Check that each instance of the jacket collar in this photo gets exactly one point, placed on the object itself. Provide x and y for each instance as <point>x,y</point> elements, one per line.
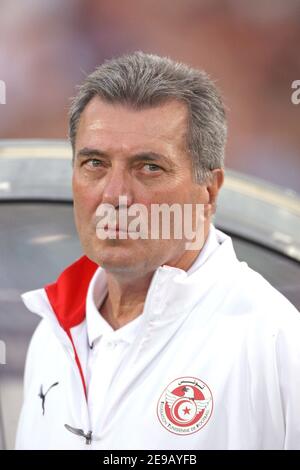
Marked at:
<point>172,290</point>
<point>67,295</point>
<point>64,300</point>
<point>97,291</point>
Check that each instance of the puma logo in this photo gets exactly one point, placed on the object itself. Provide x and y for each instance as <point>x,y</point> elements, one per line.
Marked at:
<point>43,395</point>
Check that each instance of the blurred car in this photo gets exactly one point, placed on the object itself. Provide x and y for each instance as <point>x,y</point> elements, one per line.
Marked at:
<point>38,239</point>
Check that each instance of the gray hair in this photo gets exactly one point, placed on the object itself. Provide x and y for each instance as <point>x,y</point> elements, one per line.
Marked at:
<point>144,80</point>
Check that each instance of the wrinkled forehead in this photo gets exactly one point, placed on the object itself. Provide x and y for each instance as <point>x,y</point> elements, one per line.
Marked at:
<point>117,124</point>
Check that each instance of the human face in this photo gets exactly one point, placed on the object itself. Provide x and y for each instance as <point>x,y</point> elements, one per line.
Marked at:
<point>140,154</point>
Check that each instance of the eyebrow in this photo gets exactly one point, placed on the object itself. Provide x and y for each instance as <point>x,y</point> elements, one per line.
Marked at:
<point>142,156</point>
<point>90,152</point>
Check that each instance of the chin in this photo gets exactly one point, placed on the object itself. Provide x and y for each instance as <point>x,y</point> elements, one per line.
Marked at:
<point>115,258</point>
<point>125,256</point>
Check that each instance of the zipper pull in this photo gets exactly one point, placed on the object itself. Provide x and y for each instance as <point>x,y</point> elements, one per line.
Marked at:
<point>81,433</point>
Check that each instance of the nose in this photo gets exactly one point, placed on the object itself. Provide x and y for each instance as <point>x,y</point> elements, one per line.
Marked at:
<point>118,183</point>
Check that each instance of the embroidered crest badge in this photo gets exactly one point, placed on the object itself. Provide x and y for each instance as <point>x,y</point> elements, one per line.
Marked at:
<point>185,405</point>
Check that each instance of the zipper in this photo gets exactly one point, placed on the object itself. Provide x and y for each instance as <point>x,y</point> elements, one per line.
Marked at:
<point>81,433</point>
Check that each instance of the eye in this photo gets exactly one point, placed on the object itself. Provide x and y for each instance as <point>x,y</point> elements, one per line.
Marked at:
<point>151,167</point>
<point>94,163</point>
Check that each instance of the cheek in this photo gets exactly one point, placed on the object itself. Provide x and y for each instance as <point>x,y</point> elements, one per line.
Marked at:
<point>200,195</point>
<point>86,199</point>
<point>169,196</point>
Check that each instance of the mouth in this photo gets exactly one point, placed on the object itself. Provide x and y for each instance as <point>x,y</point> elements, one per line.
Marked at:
<point>117,229</point>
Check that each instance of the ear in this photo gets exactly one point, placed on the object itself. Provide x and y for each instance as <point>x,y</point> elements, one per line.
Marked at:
<point>213,186</point>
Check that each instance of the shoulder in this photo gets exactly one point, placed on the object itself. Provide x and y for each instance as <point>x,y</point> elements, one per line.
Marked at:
<point>41,338</point>
<point>41,352</point>
<point>266,307</point>
<point>35,348</point>
<point>262,294</point>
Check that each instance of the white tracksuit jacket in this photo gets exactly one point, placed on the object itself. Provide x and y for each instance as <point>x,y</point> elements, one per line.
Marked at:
<point>216,365</point>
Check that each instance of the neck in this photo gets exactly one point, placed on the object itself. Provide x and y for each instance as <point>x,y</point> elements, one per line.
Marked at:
<point>125,300</point>
<point>126,297</point>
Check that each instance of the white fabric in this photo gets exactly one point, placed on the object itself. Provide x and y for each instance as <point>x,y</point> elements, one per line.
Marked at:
<point>222,324</point>
<point>108,346</point>
<point>210,245</point>
<point>98,326</point>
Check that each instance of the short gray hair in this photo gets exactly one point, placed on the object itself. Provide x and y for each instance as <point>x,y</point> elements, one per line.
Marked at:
<point>144,80</point>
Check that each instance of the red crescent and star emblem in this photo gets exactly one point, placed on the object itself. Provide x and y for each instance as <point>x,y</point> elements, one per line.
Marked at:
<point>185,406</point>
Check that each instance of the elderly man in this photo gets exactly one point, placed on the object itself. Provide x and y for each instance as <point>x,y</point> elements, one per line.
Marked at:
<point>155,342</point>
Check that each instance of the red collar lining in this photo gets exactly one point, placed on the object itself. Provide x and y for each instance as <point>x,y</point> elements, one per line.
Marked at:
<point>67,295</point>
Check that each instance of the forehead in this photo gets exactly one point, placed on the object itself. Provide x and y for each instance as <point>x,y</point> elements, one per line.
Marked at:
<point>118,125</point>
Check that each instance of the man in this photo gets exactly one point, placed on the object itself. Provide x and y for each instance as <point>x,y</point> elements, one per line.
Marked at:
<point>156,342</point>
